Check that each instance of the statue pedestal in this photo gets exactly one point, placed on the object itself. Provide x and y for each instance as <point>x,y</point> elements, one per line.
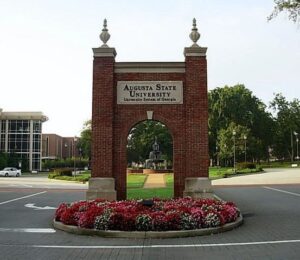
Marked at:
<point>198,187</point>
<point>101,188</point>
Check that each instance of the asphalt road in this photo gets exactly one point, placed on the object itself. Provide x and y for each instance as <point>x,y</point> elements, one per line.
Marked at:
<point>271,229</point>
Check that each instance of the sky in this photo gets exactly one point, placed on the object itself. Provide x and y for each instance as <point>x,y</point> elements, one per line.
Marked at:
<point>46,49</point>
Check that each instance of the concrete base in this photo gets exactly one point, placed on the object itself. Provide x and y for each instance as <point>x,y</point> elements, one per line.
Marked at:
<point>197,188</point>
<point>101,188</point>
<point>147,234</point>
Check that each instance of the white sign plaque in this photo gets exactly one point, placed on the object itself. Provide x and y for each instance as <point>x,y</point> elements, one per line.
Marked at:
<point>149,92</point>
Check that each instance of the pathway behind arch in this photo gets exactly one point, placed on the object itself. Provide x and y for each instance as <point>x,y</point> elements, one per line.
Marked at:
<point>155,181</point>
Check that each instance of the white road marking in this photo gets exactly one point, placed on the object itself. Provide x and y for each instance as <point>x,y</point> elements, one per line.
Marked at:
<point>164,246</point>
<point>28,230</point>
<point>21,185</point>
<point>31,205</point>
<point>283,191</point>
<point>217,197</point>
<point>28,196</point>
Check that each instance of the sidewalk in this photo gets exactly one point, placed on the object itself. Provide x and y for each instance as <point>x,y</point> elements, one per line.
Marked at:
<point>268,177</point>
<point>155,181</point>
<point>39,182</point>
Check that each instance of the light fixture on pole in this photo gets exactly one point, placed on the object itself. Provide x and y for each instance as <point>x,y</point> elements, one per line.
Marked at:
<point>245,139</point>
<point>217,154</point>
<point>67,153</point>
<point>297,141</point>
<point>234,133</point>
<point>225,151</point>
<point>80,153</point>
<point>74,155</point>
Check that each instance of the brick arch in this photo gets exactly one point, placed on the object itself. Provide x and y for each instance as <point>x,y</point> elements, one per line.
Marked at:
<point>130,124</point>
<point>135,121</point>
<point>112,121</point>
<point>120,157</point>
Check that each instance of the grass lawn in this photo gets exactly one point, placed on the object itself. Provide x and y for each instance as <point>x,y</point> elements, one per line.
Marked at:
<point>223,172</point>
<point>218,172</point>
<point>162,193</point>
<point>136,180</point>
<point>278,164</point>
<point>135,192</point>
<point>169,179</point>
<point>80,177</point>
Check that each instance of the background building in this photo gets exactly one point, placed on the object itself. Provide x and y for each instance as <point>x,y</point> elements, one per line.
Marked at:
<point>21,136</point>
<point>58,147</point>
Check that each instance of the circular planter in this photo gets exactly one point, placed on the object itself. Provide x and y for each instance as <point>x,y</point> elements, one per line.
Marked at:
<point>148,234</point>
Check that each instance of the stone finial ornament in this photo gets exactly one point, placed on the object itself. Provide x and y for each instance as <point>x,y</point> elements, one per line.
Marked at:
<point>194,35</point>
<point>104,36</point>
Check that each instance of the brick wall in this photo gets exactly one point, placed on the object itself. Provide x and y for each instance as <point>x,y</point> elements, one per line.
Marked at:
<point>187,122</point>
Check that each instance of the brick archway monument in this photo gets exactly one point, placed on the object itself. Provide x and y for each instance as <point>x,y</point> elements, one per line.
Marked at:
<point>125,93</point>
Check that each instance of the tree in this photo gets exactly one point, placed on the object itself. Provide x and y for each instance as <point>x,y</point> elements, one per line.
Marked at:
<point>227,142</point>
<point>141,138</point>
<point>238,105</point>
<point>287,119</point>
<point>13,159</point>
<point>292,7</point>
<point>3,160</point>
<point>84,142</point>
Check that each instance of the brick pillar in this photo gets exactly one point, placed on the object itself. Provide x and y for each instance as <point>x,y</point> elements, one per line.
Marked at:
<point>102,183</point>
<point>197,183</point>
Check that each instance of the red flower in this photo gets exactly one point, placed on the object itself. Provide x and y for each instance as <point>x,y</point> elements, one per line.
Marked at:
<point>88,217</point>
<point>68,218</point>
<point>175,214</point>
<point>159,221</point>
<point>61,209</point>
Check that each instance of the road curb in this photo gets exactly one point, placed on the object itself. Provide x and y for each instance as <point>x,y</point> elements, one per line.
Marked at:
<point>149,234</point>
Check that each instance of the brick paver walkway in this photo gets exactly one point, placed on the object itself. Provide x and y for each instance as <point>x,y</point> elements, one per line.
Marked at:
<point>155,181</point>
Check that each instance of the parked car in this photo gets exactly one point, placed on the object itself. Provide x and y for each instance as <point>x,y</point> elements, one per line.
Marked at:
<point>10,171</point>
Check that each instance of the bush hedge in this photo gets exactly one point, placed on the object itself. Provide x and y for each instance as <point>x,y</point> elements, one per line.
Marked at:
<point>63,171</point>
<point>53,164</point>
<point>245,165</point>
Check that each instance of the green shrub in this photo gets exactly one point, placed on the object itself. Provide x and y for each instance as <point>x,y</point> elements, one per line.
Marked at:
<point>245,165</point>
<point>3,160</point>
<point>52,175</point>
<point>63,171</point>
<point>82,177</point>
<point>53,164</point>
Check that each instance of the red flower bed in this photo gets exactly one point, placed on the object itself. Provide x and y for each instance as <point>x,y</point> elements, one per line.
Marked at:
<point>131,215</point>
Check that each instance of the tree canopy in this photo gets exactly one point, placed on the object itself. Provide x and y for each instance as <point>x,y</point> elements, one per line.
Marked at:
<point>85,139</point>
<point>141,138</point>
<point>292,7</point>
<point>237,106</point>
<point>258,133</point>
<point>287,122</point>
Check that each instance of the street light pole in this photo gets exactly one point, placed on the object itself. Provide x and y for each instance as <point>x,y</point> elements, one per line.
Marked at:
<point>234,133</point>
<point>297,141</point>
<point>217,155</point>
<point>74,155</point>
<point>225,159</point>
<point>245,138</point>
<point>66,151</point>
<point>292,147</point>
